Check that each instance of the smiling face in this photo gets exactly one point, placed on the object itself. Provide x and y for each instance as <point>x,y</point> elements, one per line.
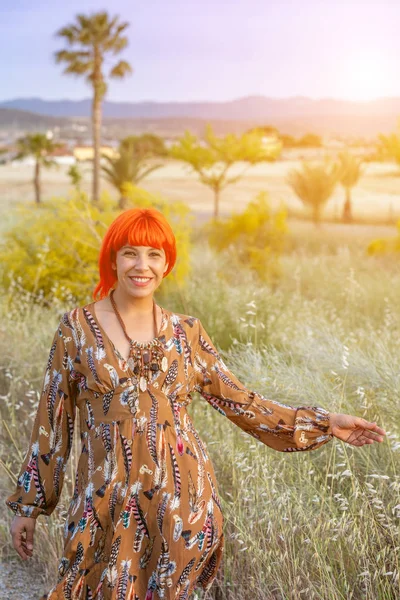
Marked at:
<point>140,269</point>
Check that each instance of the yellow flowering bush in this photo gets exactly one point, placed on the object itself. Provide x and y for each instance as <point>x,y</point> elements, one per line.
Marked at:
<point>255,238</point>
<point>382,246</point>
<point>52,250</point>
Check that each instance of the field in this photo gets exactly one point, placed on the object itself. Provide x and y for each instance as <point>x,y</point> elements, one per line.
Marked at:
<point>375,198</point>
<point>321,525</point>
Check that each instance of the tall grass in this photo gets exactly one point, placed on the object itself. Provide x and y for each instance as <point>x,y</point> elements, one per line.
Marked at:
<point>321,524</point>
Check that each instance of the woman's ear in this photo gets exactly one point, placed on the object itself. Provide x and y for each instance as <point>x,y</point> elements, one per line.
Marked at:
<point>166,267</point>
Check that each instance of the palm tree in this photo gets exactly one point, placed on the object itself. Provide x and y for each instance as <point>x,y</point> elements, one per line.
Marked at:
<point>40,147</point>
<point>314,185</point>
<point>147,145</point>
<point>390,146</point>
<point>129,167</point>
<point>75,176</point>
<point>213,158</point>
<point>350,172</point>
<point>97,35</point>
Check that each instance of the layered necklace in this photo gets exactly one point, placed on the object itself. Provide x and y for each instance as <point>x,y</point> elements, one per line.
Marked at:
<point>148,357</point>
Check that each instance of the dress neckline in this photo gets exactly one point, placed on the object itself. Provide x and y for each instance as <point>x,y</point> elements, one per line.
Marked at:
<point>142,345</point>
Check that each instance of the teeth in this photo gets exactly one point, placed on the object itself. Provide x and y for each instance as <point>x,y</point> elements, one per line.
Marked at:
<point>141,278</point>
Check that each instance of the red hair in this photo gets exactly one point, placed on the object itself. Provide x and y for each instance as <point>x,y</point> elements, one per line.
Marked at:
<point>136,227</point>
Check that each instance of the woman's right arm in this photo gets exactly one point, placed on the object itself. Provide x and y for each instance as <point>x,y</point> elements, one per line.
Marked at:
<point>41,475</point>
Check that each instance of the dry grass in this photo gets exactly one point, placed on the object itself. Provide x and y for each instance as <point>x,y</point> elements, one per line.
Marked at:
<point>323,525</point>
<point>319,525</point>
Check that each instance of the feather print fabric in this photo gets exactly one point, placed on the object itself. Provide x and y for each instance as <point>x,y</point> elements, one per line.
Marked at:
<point>144,521</point>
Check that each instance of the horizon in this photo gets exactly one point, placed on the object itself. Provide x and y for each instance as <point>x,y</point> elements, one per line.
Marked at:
<point>206,101</point>
<point>182,53</point>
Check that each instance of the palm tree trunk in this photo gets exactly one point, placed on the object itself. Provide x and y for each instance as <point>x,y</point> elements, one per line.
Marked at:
<point>317,215</point>
<point>216,203</point>
<point>96,123</point>
<point>347,212</point>
<point>36,182</point>
<point>123,202</point>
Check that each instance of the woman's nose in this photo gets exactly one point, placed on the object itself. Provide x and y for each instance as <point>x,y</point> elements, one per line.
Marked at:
<point>141,262</point>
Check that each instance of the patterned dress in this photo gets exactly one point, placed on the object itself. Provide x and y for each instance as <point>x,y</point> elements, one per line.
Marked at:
<point>145,520</point>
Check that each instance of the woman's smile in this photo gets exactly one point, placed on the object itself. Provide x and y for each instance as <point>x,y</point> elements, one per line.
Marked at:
<point>140,281</point>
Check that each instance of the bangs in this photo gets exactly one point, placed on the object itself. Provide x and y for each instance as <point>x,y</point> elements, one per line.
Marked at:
<point>142,232</point>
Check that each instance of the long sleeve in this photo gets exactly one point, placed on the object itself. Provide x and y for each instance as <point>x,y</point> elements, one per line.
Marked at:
<point>41,476</point>
<point>282,427</point>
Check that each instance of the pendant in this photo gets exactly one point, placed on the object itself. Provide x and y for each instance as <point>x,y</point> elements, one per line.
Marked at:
<point>164,364</point>
<point>143,384</point>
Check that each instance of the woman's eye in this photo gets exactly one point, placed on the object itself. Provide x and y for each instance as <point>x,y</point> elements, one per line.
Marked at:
<point>130,253</point>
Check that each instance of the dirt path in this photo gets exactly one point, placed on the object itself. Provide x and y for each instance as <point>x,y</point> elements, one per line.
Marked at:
<point>20,582</point>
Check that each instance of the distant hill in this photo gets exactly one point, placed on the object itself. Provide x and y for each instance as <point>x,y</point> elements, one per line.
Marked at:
<point>296,115</point>
<point>252,107</point>
<point>20,119</point>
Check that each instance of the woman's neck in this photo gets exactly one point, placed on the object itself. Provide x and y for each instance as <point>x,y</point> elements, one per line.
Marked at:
<point>132,306</point>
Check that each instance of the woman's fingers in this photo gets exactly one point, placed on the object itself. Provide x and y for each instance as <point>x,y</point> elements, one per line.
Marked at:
<point>363,439</point>
<point>380,430</point>
<point>377,429</point>
<point>373,436</point>
<point>27,549</point>
<point>371,426</point>
<point>22,532</point>
<point>18,545</point>
<point>365,432</point>
<point>362,436</point>
<point>29,538</point>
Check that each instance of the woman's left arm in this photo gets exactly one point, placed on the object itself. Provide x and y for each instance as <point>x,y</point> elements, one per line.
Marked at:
<point>283,427</point>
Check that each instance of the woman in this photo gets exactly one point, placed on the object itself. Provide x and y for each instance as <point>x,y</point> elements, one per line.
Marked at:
<point>145,518</point>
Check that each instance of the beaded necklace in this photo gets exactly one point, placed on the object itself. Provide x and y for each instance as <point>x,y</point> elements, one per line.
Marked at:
<point>148,357</point>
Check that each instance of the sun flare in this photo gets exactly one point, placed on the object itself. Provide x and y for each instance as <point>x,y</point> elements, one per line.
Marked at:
<point>367,77</point>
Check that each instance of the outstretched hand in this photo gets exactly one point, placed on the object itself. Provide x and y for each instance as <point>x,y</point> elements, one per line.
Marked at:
<point>355,430</point>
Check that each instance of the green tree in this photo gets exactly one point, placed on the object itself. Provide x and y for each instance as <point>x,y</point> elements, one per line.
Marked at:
<point>40,147</point>
<point>96,35</point>
<point>213,159</point>
<point>309,140</point>
<point>390,146</point>
<point>147,145</point>
<point>75,176</point>
<point>350,172</point>
<point>288,141</point>
<point>130,167</point>
<point>314,185</point>
<point>266,130</point>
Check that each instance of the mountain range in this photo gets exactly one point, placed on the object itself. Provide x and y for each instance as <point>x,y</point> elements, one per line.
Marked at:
<point>256,107</point>
<point>291,115</point>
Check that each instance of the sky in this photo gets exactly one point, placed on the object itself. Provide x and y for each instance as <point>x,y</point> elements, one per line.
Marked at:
<point>215,50</point>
